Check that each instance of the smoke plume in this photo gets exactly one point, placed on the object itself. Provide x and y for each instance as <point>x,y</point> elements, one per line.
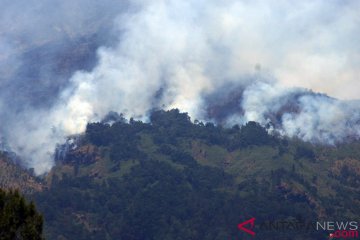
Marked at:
<point>64,64</point>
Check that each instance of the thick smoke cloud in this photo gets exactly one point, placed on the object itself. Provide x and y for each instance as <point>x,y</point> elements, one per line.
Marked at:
<point>292,112</point>
<point>42,44</point>
<point>255,57</point>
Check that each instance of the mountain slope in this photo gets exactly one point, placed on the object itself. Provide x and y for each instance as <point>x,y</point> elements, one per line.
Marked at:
<point>13,176</point>
<point>174,179</point>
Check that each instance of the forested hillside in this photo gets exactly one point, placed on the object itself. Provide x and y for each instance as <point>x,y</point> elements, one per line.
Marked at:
<point>175,179</point>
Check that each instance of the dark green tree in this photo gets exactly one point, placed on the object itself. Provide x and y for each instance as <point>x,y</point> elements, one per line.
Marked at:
<point>254,134</point>
<point>19,219</point>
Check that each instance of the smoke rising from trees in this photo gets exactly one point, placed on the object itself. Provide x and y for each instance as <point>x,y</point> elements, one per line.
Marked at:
<point>140,55</point>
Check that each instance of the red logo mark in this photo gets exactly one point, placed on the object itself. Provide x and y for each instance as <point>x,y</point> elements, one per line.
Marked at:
<point>251,222</point>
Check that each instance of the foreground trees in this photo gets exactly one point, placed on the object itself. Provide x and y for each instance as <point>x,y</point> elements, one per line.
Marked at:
<point>18,218</point>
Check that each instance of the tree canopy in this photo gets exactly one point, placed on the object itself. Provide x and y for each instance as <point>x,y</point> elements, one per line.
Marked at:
<point>19,219</point>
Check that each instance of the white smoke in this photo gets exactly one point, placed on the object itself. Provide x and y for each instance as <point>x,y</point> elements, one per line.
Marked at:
<point>311,117</point>
<point>172,53</point>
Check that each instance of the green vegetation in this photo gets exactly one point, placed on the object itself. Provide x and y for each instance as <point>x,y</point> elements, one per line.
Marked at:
<point>18,219</point>
<point>174,179</point>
